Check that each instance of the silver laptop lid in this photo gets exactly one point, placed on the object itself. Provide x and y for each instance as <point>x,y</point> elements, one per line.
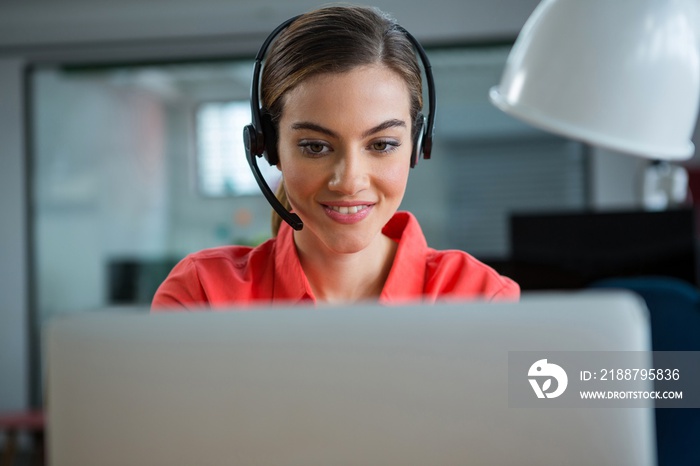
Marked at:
<point>356,385</point>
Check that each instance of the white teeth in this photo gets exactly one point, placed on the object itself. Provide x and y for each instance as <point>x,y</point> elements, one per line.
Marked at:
<point>348,210</point>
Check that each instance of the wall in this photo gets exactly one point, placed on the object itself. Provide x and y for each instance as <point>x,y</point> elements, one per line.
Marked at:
<point>14,357</point>
<point>615,180</point>
<point>72,22</point>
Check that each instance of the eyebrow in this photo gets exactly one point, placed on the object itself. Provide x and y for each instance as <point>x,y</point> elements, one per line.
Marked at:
<point>393,123</point>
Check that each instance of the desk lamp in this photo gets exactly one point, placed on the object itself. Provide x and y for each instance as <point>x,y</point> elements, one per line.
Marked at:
<point>623,75</point>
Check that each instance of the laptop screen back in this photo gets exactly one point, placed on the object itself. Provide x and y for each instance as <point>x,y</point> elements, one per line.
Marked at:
<point>358,385</point>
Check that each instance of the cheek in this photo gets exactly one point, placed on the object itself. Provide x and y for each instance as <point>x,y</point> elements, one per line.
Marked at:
<point>294,180</point>
<point>293,174</point>
<point>300,179</point>
<point>394,178</point>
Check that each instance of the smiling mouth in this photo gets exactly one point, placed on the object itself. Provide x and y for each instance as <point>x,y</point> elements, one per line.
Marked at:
<point>348,210</point>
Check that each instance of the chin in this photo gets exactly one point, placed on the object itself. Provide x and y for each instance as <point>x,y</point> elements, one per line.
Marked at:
<point>347,246</point>
<point>350,241</point>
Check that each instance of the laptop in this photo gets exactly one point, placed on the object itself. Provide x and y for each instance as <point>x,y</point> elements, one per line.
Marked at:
<point>350,385</point>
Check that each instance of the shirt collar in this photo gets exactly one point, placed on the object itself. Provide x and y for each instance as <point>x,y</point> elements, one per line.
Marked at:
<point>290,283</point>
<point>407,275</point>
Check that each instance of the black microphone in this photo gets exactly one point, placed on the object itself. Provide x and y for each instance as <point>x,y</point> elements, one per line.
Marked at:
<point>250,137</point>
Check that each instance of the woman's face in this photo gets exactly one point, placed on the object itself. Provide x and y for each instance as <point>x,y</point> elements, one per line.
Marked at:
<point>344,148</point>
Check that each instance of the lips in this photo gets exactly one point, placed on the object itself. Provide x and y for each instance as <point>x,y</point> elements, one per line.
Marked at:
<point>348,213</point>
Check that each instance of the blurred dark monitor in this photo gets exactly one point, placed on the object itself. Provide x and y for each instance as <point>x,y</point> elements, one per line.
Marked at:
<point>134,280</point>
<point>566,250</point>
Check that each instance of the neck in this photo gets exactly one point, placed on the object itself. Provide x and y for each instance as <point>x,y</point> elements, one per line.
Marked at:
<point>336,278</point>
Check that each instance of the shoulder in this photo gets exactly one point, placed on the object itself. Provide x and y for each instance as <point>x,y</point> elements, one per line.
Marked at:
<point>440,274</point>
<point>230,256</point>
<point>457,274</point>
<point>222,275</point>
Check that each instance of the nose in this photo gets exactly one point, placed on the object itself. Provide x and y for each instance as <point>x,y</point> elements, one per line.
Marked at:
<point>350,173</point>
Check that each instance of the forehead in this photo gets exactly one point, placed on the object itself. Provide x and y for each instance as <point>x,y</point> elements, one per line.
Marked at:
<point>353,92</point>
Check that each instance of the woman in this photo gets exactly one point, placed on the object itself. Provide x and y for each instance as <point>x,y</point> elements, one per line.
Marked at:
<point>343,91</point>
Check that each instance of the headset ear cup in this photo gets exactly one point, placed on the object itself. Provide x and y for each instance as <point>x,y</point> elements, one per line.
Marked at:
<point>250,140</point>
<point>418,131</point>
<point>270,137</point>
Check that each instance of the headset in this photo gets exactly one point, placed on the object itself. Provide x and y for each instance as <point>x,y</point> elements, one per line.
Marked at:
<point>260,137</point>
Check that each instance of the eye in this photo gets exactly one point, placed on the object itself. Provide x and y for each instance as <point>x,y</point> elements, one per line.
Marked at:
<point>384,146</point>
<point>314,147</point>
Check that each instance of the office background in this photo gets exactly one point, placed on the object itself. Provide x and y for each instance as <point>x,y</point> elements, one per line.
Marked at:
<point>63,196</point>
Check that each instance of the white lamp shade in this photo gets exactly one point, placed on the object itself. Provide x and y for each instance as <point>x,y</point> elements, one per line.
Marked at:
<point>619,74</point>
